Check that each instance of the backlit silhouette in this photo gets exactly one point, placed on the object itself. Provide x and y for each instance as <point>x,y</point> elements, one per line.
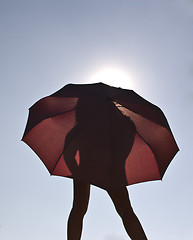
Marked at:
<point>105,136</point>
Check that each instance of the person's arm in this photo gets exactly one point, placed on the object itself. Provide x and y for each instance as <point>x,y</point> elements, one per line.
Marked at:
<point>70,151</point>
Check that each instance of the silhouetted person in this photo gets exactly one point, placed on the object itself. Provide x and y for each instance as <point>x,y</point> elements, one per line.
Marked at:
<point>96,149</point>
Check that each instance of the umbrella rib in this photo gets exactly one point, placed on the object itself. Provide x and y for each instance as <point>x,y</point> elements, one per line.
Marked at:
<point>29,128</point>
<point>57,114</point>
<point>151,150</point>
<point>56,164</point>
<point>54,115</point>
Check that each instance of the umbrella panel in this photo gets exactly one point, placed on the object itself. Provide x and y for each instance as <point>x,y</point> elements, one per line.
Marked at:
<point>48,137</point>
<point>158,138</point>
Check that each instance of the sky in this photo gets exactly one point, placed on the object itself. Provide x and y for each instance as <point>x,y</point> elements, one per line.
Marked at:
<point>46,44</point>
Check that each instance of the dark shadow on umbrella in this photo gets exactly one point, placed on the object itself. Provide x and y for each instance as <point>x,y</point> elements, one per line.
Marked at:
<point>97,147</point>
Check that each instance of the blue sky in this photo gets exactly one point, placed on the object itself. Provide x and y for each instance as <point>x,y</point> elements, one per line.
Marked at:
<point>46,44</point>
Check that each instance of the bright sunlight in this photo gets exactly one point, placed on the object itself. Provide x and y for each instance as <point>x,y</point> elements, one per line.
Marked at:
<point>113,77</point>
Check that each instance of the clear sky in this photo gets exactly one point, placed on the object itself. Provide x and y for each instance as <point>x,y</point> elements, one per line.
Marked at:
<point>45,44</point>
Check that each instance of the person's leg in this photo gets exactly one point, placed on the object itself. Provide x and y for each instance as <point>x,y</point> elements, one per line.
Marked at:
<point>123,206</point>
<point>79,208</point>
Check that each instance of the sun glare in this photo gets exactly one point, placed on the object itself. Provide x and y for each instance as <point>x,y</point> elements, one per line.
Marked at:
<point>113,77</point>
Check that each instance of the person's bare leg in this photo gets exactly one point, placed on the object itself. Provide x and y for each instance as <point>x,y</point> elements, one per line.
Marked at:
<point>79,208</point>
<point>123,206</point>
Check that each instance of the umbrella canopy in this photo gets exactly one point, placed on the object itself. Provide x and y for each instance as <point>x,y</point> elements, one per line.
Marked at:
<point>109,137</point>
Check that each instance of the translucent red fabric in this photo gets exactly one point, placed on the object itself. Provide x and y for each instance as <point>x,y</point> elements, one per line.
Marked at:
<point>109,137</point>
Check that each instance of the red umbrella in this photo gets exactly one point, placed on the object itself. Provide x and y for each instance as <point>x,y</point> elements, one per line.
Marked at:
<point>109,137</point>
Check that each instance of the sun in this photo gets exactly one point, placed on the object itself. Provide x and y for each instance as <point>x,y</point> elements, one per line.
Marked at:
<point>113,77</point>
